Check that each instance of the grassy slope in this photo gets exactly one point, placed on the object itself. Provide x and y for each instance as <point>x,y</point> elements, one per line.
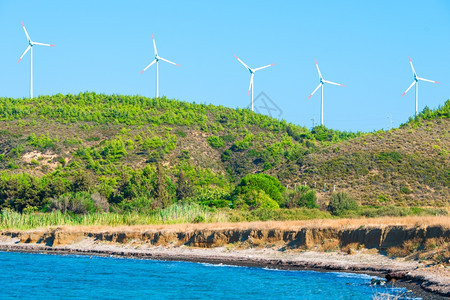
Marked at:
<point>108,136</point>
<point>406,166</point>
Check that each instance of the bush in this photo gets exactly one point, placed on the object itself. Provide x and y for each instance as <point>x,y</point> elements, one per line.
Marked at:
<point>255,199</point>
<point>341,202</point>
<point>199,219</point>
<point>302,196</point>
<point>78,203</point>
<point>243,144</point>
<point>392,156</point>
<point>216,142</point>
<point>141,205</point>
<point>43,141</point>
<point>226,155</point>
<point>213,197</point>
<point>266,183</point>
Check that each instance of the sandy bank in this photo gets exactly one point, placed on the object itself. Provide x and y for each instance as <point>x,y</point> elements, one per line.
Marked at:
<point>319,245</point>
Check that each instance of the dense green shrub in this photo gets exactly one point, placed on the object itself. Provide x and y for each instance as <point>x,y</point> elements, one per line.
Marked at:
<point>341,202</point>
<point>216,142</point>
<point>428,114</point>
<point>199,219</point>
<point>78,203</point>
<point>254,199</point>
<point>226,155</point>
<point>266,183</point>
<point>43,141</point>
<point>213,198</point>
<point>392,156</point>
<point>302,196</point>
<point>140,204</point>
<point>243,144</point>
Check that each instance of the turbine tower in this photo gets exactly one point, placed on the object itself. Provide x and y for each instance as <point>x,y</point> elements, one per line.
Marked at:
<point>321,83</point>
<point>156,60</point>
<point>30,48</point>
<point>416,82</point>
<point>252,72</point>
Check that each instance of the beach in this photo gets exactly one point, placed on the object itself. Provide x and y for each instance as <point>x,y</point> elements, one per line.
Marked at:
<point>339,245</point>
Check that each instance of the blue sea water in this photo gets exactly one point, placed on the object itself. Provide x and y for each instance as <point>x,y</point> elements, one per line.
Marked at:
<point>43,276</point>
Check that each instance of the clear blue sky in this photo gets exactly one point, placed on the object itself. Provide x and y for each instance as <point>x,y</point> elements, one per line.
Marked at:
<point>102,46</point>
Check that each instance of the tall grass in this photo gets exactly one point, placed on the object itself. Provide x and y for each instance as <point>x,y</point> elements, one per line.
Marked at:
<point>194,213</point>
<point>175,214</point>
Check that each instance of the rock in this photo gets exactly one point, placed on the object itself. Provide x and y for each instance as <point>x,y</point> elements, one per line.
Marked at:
<point>396,275</point>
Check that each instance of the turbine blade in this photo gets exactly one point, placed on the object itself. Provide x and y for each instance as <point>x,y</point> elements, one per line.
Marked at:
<point>49,45</point>
<point>423,79</point>
<point>251,83</point>
<point>318,70</point>
<point>409,88</point>
<point>148,66</point>
<point>26,33</point>
<point>412,67</point>
<point>257,69</point>
<point>330,82</point>
<point>320,84</point>
<point>242,63</point>
<point>26,50</point>
<point>170,62</point>
<point>154,45</point>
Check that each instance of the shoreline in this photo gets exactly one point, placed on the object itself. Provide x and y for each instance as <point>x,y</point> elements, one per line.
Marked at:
<point>402,274</point>
<point>345,245</point>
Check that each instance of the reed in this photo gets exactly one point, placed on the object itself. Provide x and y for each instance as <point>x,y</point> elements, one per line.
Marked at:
<point>175,214</point>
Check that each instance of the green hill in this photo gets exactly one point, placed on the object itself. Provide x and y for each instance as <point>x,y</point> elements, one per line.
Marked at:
<point>133,152</point>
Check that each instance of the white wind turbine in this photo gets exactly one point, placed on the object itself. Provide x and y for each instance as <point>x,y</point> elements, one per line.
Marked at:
<point>30,47</point>
<point>322,81</point>
<point>416,82</point>
<point>252,72</point>
<point>156,60</point>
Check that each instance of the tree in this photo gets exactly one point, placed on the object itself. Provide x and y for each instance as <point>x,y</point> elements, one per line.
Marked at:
<point>81,182</point>
<point>340,202</point>
<point>184,186</point>
<point>161,188</point>
<point>270,185</point>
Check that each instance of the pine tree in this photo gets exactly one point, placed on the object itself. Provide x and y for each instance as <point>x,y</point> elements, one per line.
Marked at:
<point>161,188</point>
<point>184,186</point>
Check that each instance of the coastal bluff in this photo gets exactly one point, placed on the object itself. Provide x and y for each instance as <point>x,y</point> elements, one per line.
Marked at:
<point>247,236</point>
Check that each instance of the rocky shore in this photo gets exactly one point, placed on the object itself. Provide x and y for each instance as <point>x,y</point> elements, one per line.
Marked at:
<point>272,245</point>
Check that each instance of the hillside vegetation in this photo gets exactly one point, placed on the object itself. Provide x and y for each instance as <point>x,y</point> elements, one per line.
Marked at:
<point>92,153</point>
<point>404,166</point>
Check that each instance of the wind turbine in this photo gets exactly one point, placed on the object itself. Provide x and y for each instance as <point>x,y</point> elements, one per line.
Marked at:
<point>30,47</point>
<point>156,60</point>
<point>252,72</point>
<point>321,83</point>
<point>416,82</point>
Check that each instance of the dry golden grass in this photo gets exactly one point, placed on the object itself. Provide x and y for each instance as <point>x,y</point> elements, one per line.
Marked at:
<point>435,250</point>
<point>330,245</point>
<point>351,248</point>
<point>434,243</point>
<point>443,221</point>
